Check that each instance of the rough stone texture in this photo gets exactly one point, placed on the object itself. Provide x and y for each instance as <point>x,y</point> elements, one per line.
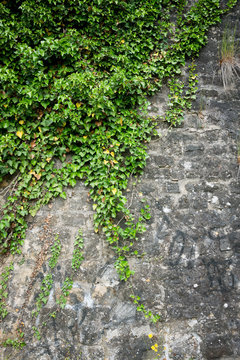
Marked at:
<point>190,272</point>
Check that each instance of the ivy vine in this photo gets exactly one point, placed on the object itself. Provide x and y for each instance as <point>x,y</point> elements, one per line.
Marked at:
<point>74,79</point>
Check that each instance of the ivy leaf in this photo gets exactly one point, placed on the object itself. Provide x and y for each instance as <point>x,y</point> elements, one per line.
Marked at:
<point>63,195</point>
<point>20,133</point>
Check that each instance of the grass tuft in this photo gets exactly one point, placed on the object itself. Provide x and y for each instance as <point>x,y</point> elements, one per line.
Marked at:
<point>229,57</point>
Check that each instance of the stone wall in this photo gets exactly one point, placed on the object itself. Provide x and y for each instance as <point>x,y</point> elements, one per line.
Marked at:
<point>189,273</point>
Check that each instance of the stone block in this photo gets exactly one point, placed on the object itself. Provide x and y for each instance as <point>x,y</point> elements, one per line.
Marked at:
<point>194,149</point>
<point>172,187</point>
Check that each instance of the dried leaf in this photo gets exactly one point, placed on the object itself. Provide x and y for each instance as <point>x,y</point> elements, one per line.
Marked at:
<point>37,176</point>
<point>33,144</point>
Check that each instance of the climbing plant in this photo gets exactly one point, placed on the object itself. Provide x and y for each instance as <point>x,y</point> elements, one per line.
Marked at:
<point>74,79</point>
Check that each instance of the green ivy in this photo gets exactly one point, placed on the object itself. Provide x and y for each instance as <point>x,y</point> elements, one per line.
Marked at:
<point>3,290</point>
<point>181,96</point>
<point>77,257</point>
<point>47,282</point>
<point>65,291</point>
<point>55,252</point>
<point>74,79</point>
<point>43,296</point>
<point>147,313</point>
<point>16,343</point>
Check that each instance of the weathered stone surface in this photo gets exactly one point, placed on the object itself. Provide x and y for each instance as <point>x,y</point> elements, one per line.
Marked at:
<point>190,272</point>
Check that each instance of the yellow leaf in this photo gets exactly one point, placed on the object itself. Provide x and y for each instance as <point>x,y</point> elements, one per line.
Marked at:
<point>112,153</point>
<point>21,122</point>
<point>78,104</point>
<point>55,138</point>
<point>106,151</point>
<point>19,133</point>
<point>114,191</point>
<point>121,121</point>
<point>48,159</point>
<point>85,137</point>
<point>94,206</point>
<point>105,162</point>
<point>5,105</point>
<point>115,161</point>
<point>40,130</point>
<point>122,41</point>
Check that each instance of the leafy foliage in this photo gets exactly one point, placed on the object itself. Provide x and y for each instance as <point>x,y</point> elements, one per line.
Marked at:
<point>65,290</point>
<point>55,251</point>
<point>147,313</point>
<point>16,343</point>
<point>45,289</point>
<point>3,290</point>
<point>74,79</point>
<point>36,333</point>
<point>180,97</point>
<point>77,252</point>
<point>47,282</point>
